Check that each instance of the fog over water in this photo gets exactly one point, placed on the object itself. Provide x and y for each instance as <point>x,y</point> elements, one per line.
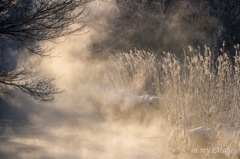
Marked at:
<point>120,104</point>
<point>83,123</point>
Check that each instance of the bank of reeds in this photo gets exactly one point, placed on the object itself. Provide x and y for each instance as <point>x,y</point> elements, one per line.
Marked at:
<point>198,90</point>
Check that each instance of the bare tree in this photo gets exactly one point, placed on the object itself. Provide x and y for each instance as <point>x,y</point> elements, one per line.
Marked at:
<point>22,77</point>
<point>23,25</point>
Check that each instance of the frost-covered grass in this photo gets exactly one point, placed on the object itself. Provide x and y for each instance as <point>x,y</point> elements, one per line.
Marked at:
<point>198,90</point>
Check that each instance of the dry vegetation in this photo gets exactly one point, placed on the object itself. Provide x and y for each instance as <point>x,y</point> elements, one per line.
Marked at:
<point>197,92</point>
<point>198,88</point>
<point>181,71</point>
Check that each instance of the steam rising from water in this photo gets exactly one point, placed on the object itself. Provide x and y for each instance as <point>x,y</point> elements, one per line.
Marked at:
<point>82,123</point>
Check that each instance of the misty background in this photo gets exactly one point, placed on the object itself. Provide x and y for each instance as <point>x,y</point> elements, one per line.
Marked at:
<point>103,76</point>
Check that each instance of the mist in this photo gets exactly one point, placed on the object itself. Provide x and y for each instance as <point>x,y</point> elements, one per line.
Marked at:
<point>83,122</point>
<point>123,94</point>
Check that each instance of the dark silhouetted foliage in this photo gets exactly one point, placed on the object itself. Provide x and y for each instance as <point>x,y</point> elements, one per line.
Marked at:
<point>173,25</point>
<point>23,25</point>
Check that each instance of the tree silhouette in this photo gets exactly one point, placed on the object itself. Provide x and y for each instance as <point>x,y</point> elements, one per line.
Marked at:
<point>23,25</point>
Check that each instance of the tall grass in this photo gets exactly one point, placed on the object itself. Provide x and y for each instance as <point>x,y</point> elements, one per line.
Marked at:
<point>198,90</point>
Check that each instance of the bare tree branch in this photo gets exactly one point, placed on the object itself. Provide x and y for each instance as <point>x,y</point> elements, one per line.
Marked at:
<point>23,25</point>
